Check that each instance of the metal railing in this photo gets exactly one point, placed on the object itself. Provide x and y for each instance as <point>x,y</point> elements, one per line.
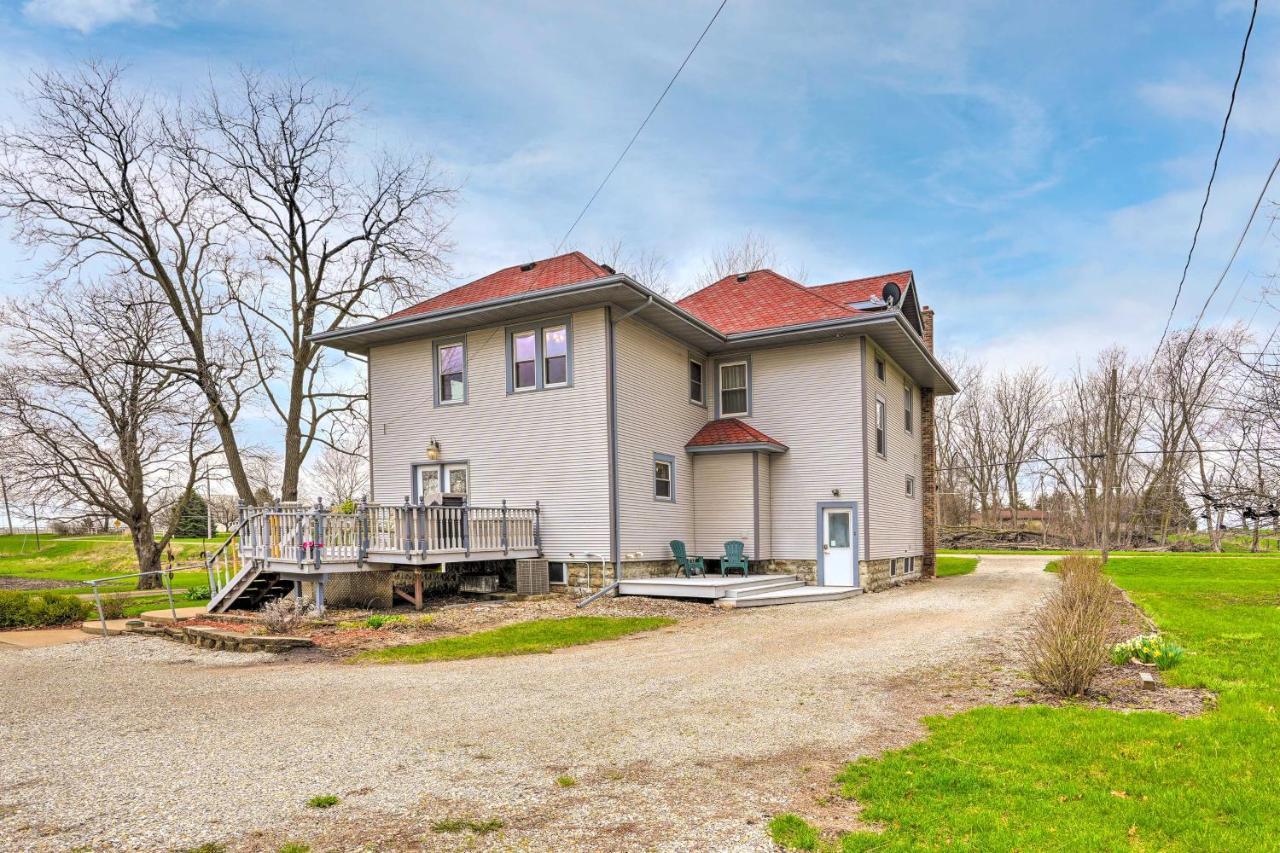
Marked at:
<point>166,576</point>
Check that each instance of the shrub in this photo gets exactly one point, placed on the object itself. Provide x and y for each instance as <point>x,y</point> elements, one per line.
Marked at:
<point>40,609</point>
<point>322,801</point>
<point>1067,644</point>
<point>284,614</point>
<point>378,620</point>
<point>566,781</point>
<point>1148,648</point>
<point>198,593</point>
<point>460,824</point>
<point>113,606</point>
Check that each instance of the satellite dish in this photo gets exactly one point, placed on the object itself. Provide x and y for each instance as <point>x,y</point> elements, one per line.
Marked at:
<point>891,293</point>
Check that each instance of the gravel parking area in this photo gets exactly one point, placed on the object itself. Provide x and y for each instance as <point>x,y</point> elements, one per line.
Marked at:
<point>689,737</point>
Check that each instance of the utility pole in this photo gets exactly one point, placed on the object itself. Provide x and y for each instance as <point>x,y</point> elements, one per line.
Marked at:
<point>4,493</point>
<point>1109,433</point>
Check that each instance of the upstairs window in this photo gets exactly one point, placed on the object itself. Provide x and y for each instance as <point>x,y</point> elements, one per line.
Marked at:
<point>911,486</point>
<point>664,477</point>
<point>696,393</point>
<point>879,368</point>
<point>733,389</point>
<point>540,356</point>
<point>908,409</point>
<point>555,356</point>
<point>451,375</point>
<point>880,436</point>
<point>524,357</point>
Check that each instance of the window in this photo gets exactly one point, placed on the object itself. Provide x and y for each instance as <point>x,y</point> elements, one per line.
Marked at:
<point>451,377</point>
<point>524,357</point>
<point>908,565</point>
<point>908,409</point>
<point>893,567</point>
<point>434,479</point>
<point>428,481</point>
<point>555,356</point>
<point>911,486</point>
<point>557,574</point>
<point>879,368</point>
<point>540,356</point>
<point>456,478</point>
<point>880,438</point>
<point>734,398</point>
<point>696,394</point>
<point>664,477</point>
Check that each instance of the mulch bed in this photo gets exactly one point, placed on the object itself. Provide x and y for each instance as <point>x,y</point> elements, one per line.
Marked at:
<point>11,582</point>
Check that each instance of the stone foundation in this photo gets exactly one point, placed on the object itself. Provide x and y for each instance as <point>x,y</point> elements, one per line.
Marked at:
<point>805,570</point>
<point>875,574</point>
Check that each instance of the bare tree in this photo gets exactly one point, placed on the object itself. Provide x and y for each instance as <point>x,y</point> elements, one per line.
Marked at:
<point>1022,404</point>
<point>341,475</point>
<point>97,428</point>
<point>751,253</point>
<point>335,239</point>
<point>649,267</point>
<point>91,179</point>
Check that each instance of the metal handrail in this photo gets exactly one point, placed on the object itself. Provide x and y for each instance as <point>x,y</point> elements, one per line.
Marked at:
<point>165,574</point>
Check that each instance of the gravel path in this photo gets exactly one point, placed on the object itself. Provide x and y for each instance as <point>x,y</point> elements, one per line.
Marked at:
<point>688,737</point>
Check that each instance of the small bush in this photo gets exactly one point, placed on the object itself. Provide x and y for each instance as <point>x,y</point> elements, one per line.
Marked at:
<point>284,615</point>
<point>323,801</point>
<point>1067,644</point>
<point>198,593</point>
<point>294,847</point>
<point>566,781</point>
<point>40,609</point>
<point>1148,648</point>
<point>113,606</point>
<point>460,824</point>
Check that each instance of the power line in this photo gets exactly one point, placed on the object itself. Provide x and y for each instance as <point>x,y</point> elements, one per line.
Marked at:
<point>1222,139</point>
<point>639,129</point>
<point>1098,456</point>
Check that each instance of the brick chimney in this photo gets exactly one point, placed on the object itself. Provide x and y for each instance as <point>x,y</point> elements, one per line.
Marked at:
<point>928,462</point>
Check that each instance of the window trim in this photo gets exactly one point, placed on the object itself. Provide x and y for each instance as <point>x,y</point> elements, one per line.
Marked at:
<point>882,369</point>
<point>415,477</point>
<point>539,329</point>
<point>435,371</point>
<point>720,365</point>
<point>880,427</point>
<point>911,486</point>
<point>909,409</point>
<point>670,462</point>
<point>702,384</point>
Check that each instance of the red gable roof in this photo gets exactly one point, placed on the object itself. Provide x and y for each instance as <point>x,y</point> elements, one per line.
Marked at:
<point>764,300</point>
<point>729,431</point>
<point>861,289</point>
<point>540,275</point>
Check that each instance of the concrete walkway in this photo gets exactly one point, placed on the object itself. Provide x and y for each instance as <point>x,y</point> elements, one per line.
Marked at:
<point>41,638</point>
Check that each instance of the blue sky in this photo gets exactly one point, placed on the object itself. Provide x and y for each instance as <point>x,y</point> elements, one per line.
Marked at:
<point>1038,165</point>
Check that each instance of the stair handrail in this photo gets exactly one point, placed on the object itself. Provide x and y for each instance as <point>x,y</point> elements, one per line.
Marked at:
<point>212,560</point>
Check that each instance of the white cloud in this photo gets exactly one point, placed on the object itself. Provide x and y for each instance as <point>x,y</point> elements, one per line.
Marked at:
<point>88,15</point>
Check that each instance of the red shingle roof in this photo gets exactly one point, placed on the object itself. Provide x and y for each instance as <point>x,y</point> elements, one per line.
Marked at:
<point>543,275</point>
<point>765,300</point>
<point>861,289</point>
<point>728,431</point>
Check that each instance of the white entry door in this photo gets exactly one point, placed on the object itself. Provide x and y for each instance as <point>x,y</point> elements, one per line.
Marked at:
<point>837,547</point>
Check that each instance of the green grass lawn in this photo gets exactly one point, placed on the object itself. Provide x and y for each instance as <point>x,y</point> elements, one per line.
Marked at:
<point>1072,778</point>
<point>146,603</point>
<point>74,558</point>
<point>949,567</point>
<point>522,638</point>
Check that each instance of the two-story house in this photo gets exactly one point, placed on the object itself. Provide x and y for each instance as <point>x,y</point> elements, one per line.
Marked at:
<point>797,420</point>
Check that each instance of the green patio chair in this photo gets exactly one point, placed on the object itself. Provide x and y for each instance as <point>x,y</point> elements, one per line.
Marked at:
<point>733,558</point>
<point>689,566</point>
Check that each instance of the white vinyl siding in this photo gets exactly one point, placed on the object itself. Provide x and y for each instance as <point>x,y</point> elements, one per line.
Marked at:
<point>550,446</point>
<point>895,528</point>
<point>654,416</point>
<point>765,546</point>
<point>809,397</point>
<point>727,508</point>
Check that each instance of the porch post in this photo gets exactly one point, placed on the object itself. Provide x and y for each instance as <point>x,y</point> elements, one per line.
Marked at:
<point>317,547</point>
<point>537,526</point>
<point>405,541</point>
<point>504,526</point>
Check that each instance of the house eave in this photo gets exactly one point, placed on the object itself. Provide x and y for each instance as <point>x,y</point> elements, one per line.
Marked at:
<point>762,446</point>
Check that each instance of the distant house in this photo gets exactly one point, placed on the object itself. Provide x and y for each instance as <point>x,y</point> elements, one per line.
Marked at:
<point>560,410</point>
<point>1004,515</point>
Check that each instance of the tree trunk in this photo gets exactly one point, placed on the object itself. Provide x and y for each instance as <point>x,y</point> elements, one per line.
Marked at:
<point>148,552</point>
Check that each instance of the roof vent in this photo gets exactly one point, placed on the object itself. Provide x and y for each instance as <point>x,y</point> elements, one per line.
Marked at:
<point>891,293</point>
<point>742,276</point>
<point>610,270</point>
<point>528,266</point>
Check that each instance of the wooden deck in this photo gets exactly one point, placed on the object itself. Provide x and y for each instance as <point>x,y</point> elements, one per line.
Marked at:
<point>737,591</point>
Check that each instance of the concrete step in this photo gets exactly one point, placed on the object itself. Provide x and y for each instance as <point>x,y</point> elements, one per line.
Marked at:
<point>791,596</point>
<point>773,586</point>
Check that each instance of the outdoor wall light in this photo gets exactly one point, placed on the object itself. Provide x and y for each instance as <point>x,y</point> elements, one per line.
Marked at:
<point>433,449</point>
<point>835,493</point>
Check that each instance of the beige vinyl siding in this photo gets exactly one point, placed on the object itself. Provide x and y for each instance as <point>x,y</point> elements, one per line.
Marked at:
<point>654,416</point>
<point>762,498</point>
<point>549,446</point>
<point>808,396</point>
<point>726,506</point>
<point>896,520</point>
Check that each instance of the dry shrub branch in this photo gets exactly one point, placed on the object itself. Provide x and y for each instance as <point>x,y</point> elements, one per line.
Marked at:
<point>1067,645</point>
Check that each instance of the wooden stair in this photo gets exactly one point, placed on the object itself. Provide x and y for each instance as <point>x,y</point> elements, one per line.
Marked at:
<point>249,589</point>
<point>787,594</point>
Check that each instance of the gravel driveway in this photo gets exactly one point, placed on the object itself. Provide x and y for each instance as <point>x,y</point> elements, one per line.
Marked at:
<point>688,737</point>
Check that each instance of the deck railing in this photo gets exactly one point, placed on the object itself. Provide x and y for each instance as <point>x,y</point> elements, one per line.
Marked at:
<point>318,534</point>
